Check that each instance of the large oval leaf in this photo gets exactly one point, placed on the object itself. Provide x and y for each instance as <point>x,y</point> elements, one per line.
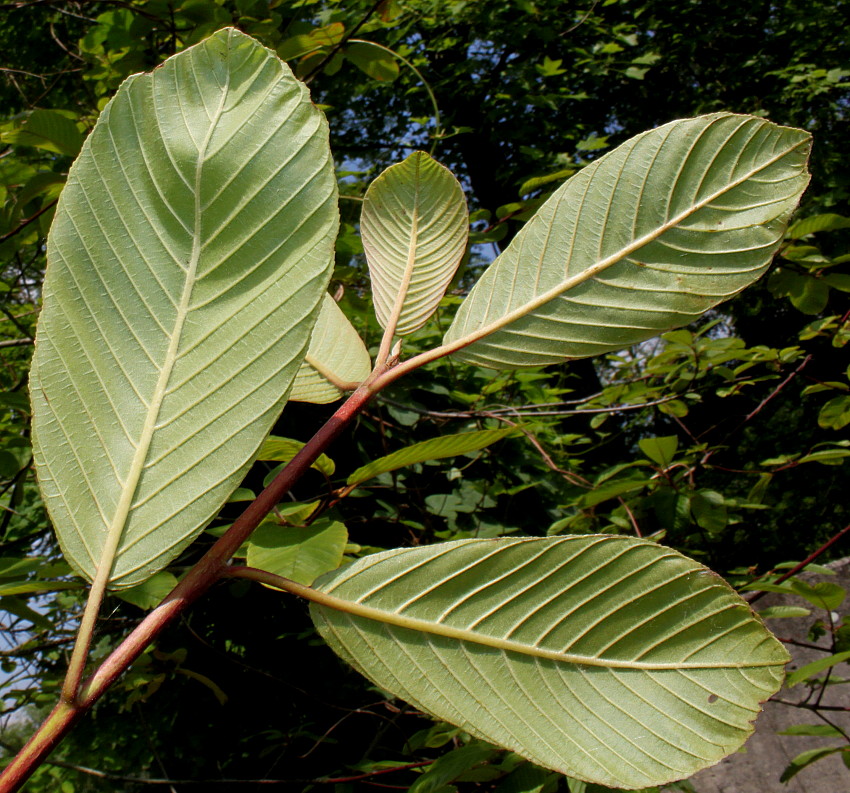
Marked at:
<point>645,239</point>
<point>610,659</point>
<point>414,226</point>
<point>189,253</point>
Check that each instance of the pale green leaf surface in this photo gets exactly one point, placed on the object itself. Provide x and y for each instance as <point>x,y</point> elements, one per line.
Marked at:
<point>433,449</point>
<point>610,659</point>
<point>300,553</point>
<point>190,250</point>
<point>336,357</point>
<point>643,240</point>
<point>414,227</point>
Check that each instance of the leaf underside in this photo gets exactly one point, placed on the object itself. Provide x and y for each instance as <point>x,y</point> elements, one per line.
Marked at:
<point>645,239</point>
<point>610,659</point>
<point>414,227</point>
<point>189,253</point>
<point>336,355</point>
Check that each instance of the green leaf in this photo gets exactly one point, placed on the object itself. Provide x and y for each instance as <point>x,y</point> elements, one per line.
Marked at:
<point>337,358</point>
<point>807,758</point>
<point>612,489</point>
<point>820,730</point>
<point>44,129</point>
<point>783,612</point>
<point>414,227</point>
<point>300,553</point>
<point>296,46</point>
<point>660,450</point>
<point>642,240</point>
<point>835,414</point>
<point>150,593</point>
<point>815,223</point>
<point>433,449</point>
<point>536,182</point>
<point>709,510</point>
<point>375,61</point>
<point>610,659</point>
<point>190,250</point>
<point>823,594</point>
<point>34,587</point>
<point>18,608</point>
<point>452,765</point>
<point>282,450</point>
<point>839,281</point>
<point>810,670</point>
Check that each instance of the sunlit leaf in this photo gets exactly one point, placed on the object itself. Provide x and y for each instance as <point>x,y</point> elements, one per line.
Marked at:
<point>190,251</point>
<point>300,553</point>
<point>642,240</point>
<point>414,227</point>
<point>610,659</point>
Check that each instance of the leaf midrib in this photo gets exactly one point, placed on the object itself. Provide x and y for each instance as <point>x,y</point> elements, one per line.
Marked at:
<point>410,264</point>
<point>137,466</point>
<point>604,264</point>
<point>395,619</point>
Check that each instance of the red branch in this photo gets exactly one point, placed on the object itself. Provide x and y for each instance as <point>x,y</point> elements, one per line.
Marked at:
<point>197,581</point>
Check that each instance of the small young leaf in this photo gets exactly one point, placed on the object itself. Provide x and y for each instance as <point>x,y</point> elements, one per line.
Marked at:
<point>660,450</point>
<point>414,227</point>
<point>835,414</point>
<point>815,223</point>
<point>375,61</point>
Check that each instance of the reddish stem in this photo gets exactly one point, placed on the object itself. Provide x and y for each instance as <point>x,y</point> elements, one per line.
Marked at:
<point>752,597</point>
<point>198,580</point>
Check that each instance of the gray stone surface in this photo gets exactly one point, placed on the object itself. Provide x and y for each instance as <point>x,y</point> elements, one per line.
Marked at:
<point>757,768</point>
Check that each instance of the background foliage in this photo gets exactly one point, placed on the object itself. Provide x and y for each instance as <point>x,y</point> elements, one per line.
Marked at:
<point>726,440</point>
